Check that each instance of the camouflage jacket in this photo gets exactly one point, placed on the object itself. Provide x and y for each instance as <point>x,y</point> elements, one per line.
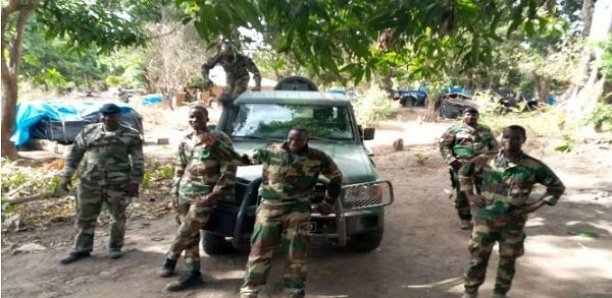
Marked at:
<point>508,184</point>
<point>111,158</point>
<point>463,142</point>
<point>198,169</point>
<point>238,68</point>
<point>288,178</point>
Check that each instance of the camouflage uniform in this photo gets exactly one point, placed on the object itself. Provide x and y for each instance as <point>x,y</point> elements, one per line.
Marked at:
<point>112,161</point>
<point>283,216</point>
<point>506,185</point>
<point>198,170</point>
<point>237,72</point>
<point>462,142</point>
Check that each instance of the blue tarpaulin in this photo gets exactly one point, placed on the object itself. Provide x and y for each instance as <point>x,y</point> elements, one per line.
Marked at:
<point>151,99</point>
<point>31,112</point>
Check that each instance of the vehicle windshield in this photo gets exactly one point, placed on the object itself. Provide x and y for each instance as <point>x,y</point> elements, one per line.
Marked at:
<point>275,120</point>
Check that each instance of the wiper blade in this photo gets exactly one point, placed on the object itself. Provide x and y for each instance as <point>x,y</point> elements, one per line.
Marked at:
<point>324,139</point>
<point>257,138</point>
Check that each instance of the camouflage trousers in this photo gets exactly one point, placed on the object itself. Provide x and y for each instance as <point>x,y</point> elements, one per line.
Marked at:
<point>462,204</point>
<point>236,85</point>
<point>276,225</point>
<point>89,201</point>
<point>506,230</point>
<point>192,216</point>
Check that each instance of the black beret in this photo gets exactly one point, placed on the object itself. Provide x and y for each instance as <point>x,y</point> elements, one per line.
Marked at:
<point>110,108</point>
<point>472,110</point>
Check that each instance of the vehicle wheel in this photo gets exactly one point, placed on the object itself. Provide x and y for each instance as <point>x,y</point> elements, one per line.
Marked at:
<point>214,244</point>
<point>366,241</point>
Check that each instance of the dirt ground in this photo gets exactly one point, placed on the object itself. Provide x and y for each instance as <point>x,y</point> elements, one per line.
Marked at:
<point>423,254</point>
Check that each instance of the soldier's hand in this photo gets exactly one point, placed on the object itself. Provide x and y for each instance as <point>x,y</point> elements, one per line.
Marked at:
<point>325,208</point>
<point>132,190</point>
<point>246,159</point>
<point>527,208</point>
<point>65,184</point>
<point>215,194</point>
<point>480,161</point>
<point>207,139</point>
<point>456,165</point>
<point>477,200</point>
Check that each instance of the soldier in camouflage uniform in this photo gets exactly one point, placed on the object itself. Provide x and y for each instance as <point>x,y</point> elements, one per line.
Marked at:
<point>237,67</point>
<point>461,143</point>
<point>205,166</point>
<point>290,171</point>
<point>111,174</point>
<point>501,210</point>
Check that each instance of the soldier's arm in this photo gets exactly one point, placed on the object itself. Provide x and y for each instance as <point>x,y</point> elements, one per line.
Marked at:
<point>226,153</point>
<point>492,145</point>
<point>446,143</point>
<point>251,67</point>
<point>466,177</point>
<point>554,186</point>
<point>330,170</point>
<point>180,163</point>
<point>209,64</point>
<point>74,156</point>
<point>137,157</point>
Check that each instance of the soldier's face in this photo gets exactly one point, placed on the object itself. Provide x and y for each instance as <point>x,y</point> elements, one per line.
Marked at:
<point>512,140</point>
<point>198,119</point>
<point>296,140</point>
<point>470,118</point>
<point>110,121</point>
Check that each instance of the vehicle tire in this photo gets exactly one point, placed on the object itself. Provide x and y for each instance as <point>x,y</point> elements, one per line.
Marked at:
<point>366,241</point>
<point>214,244</point>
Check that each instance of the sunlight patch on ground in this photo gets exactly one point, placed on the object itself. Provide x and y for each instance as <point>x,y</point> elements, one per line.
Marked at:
<point>568,258</point>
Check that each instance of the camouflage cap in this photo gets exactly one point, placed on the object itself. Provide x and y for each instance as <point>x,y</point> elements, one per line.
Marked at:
<point>110,108</point>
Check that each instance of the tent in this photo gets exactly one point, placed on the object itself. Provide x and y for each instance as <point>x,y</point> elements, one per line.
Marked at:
<point>62,121</point>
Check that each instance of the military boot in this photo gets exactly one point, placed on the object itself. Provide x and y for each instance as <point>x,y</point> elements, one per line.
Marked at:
<point>469,295</point>
<point>167,268</point>
<point>466,224</point>
<point>74,256</point>
<point>115,253</point>
<point>498,295</point>
<point>296,293</point>
<point>189,279</point>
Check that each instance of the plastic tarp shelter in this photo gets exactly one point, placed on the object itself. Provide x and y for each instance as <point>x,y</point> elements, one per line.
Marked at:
<point>69,117</point>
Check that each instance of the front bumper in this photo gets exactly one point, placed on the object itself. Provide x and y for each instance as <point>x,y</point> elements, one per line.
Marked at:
<point>359,208</point>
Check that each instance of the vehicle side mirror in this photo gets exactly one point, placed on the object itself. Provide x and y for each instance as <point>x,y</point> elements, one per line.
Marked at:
<point>211,127</point>
<point>368,134</point>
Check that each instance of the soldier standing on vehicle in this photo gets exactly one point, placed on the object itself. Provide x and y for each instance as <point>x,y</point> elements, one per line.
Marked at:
<point>290,171</point>
<point>237,67</point>
<point>205,167</point>
<point>111,174</point>
<point>461,143</point>
<point>502,209</point>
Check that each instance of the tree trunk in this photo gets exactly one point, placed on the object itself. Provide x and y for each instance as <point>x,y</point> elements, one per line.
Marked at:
<point>588,84</point>
<point>9,102</point>
<point>10,70</point>
<point>542,87</point>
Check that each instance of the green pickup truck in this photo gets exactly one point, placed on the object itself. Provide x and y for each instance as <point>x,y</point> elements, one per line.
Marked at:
<point>258,118</point>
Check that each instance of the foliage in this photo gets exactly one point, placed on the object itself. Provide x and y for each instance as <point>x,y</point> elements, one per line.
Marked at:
<point>155,172</point>
<point>568,146</point>
<point>601,116</point>
<point>19,181</point>
<point>372,108</point>
<point>425,37</point>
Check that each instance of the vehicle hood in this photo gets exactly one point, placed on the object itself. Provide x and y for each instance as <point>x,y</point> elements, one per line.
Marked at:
<point>352,159</point>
